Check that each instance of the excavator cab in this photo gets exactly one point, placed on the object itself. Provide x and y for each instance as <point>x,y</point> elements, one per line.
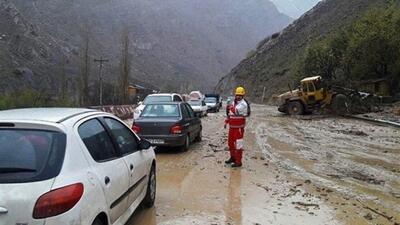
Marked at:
<point>313,90</point>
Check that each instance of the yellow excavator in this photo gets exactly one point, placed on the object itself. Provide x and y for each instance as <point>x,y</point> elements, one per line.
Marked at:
<point>313,94</point>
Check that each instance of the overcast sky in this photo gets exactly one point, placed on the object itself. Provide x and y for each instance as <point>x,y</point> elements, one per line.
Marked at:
<point>295,8</point>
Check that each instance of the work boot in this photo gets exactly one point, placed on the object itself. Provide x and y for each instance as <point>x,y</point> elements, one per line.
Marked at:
<point>229,161</point>
<point>236,165</point>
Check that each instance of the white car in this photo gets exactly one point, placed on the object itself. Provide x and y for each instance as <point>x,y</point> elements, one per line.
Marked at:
<point>199,107</point>
<point>173,97</point>
<point>62,166</point>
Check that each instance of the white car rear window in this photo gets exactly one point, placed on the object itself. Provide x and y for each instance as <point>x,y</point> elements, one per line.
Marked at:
<point>30,155</point>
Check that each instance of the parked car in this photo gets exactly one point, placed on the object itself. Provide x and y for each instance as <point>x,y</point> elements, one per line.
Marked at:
<point>199,107</point>
<point>172,124</point>
<point>172,97</point>
<point>72,166</point>
<point>212,104</point>
<point>217,96</point>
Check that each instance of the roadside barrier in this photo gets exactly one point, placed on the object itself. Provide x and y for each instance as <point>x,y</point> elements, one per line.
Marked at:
<point>383,122</point>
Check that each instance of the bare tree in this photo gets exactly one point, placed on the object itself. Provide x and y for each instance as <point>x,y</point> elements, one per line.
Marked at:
<point>125,68</point>
<point>64,81</point>
<point>85,71</point>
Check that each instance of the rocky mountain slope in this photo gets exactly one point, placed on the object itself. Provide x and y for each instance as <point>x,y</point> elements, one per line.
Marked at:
<point>172,43</point>
<point>273,64</point>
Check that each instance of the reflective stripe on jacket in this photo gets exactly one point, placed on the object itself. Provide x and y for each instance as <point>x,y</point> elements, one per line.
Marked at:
<point>237,114</point>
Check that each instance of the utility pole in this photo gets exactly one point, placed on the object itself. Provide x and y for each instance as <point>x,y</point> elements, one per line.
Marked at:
<point>263,96</point>
<point>101,61</point>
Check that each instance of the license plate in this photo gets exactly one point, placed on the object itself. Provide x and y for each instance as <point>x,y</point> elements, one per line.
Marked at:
<point>156,141</point>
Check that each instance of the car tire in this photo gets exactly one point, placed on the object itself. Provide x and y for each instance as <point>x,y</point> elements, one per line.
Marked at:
<point>186,146</point>
<point>150,197</point>
<point>199,137</point>
<point>97,221</point>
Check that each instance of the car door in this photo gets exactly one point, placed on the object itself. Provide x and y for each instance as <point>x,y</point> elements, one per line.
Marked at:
<point>186,120</point>
<point>136,160</point>
<point>192,119</point>
<point>196,121</point>
<point>109,169</point>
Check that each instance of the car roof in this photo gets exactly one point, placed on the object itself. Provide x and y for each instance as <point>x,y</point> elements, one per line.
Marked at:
<point>165,103</point>
<point>163,94</point>
<point>55,115</point>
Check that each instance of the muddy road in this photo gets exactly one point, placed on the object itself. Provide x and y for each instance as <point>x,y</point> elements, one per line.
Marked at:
<point>307,170</point>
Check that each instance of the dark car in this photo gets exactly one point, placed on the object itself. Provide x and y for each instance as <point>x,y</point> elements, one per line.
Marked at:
<point>171,124</point>
<point>217,96</point>
<point>212,104</point>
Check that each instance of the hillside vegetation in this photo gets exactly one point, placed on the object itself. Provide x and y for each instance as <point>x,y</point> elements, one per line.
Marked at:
<point>276,61</point>
<point>367,49</point>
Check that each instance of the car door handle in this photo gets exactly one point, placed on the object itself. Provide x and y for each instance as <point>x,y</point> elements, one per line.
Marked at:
<point>107,180</point>
<point>131,167</point>
<point>3,210</point>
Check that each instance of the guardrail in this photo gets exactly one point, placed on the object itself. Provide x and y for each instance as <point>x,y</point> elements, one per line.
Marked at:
<point>122,111</point>
<point>380,121</point>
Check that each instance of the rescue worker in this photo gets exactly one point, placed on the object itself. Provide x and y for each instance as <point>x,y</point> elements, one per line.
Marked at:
<point>237,113</point>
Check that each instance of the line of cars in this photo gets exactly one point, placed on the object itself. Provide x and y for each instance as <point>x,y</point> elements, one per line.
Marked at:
<point>204,104</point>
<point>169,120</point>
<point>201,104</point>
<point>82,166</point>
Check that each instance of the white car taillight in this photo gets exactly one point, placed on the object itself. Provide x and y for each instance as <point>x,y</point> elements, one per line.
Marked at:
<point>58,201</point>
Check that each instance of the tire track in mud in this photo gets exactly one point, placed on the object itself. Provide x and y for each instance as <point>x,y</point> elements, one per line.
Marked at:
<point>360,161</point>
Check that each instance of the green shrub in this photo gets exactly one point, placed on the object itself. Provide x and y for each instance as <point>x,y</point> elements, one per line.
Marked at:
<point>369,48</point>
<point>32,98</point>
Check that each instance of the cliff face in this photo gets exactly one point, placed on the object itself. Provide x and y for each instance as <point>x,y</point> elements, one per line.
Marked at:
<point>26,53</point>
<point>173,43</point>
<point>273,63</point>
